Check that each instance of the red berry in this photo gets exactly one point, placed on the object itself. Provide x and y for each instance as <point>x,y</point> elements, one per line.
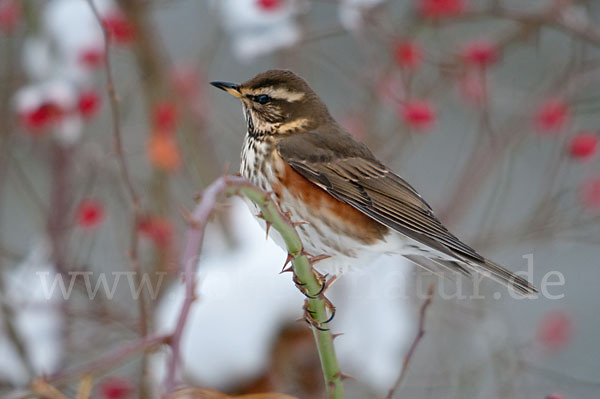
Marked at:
<point>589,193</point>
<point>552,115</point>
<point>269,5</point>
<point>116,388</point>
<point>10,13</point>
<point>42,117</point>
<point>555,330</point>
<point>90,213</point>
<point>583,146</point>
<point>440,8</point>
<point>164,117</point>
<point>481,52</point>
<point>119,28</point>
<point>157,229</point>
<point>408,55</point>
<point>88,103</point>
<point>91,57</point>
<point>418,115</point>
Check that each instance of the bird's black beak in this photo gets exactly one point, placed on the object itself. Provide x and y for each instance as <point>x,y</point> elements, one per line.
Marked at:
<point>230,88</point>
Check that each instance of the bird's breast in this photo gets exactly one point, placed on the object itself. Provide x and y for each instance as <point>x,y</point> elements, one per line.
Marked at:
<point>332,227</point>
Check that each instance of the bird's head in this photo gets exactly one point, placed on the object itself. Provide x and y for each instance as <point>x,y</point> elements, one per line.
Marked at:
<point>278,102</point>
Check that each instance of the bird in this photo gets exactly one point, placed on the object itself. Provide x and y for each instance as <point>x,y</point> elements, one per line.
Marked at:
<point>354,208</point>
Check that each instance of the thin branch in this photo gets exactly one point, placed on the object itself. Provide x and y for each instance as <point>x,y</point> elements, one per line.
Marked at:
<point>110,359</point>
<point>114,109</point>
<point>124,170</point>
<point>415,343</point>
<point>552,17</point>
<point>195,238</point>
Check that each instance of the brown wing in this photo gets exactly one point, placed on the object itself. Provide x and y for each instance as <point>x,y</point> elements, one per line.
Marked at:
<point>349,172</point>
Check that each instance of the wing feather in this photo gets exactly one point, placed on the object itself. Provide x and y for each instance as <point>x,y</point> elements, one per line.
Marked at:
<point>376,191</point>
<point>349,172</point>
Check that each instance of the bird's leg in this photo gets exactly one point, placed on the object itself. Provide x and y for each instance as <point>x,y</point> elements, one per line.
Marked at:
<point>322,279</point>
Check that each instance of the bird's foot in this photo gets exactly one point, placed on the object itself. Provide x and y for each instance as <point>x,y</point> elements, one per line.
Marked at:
<point>302,286</point>
<point>309,315</point>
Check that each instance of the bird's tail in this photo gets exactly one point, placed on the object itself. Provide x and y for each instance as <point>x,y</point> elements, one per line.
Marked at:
<point>503,276</point>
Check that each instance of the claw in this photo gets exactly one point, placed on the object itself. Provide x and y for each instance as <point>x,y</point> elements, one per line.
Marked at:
<point>302,288</point>
<point>331,308</point>
<point>299,284</point>
<point>321,290</point>
<point>310,319</point>
<point>316,324</point>
<point>330,317</point>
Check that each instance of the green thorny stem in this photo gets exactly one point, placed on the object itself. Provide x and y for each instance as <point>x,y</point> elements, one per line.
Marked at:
<point>304,274</point>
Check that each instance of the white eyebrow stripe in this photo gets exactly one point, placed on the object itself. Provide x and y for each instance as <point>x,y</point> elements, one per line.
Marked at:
<point>278,93</point>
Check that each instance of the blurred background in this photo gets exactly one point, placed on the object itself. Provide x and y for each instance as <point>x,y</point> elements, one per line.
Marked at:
<point>488,107</point>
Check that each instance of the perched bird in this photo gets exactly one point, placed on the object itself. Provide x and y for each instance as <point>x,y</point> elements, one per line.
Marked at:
<point>355,207</point>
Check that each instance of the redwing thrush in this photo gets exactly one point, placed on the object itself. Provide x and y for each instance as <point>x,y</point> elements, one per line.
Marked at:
<point>355,207</point>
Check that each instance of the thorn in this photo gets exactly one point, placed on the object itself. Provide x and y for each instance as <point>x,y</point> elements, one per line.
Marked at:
<point>259,215</point>
<point>295,224</point>
<point>188,218</point>
<point>330,282</point>
<point>311,313</point>
<point>198,197</point>
<point>344,376</point>
<point>318,258</point>
<point>289,258</point>
<point>268,228</point>
<point>334,336</point>
<point>284,270</point>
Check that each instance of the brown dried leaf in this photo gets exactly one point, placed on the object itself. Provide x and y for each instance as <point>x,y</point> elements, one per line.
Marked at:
<point>85,387</point>
<point>45,390</point>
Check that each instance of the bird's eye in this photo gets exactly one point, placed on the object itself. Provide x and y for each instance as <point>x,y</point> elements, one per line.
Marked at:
<point>262,99</point>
